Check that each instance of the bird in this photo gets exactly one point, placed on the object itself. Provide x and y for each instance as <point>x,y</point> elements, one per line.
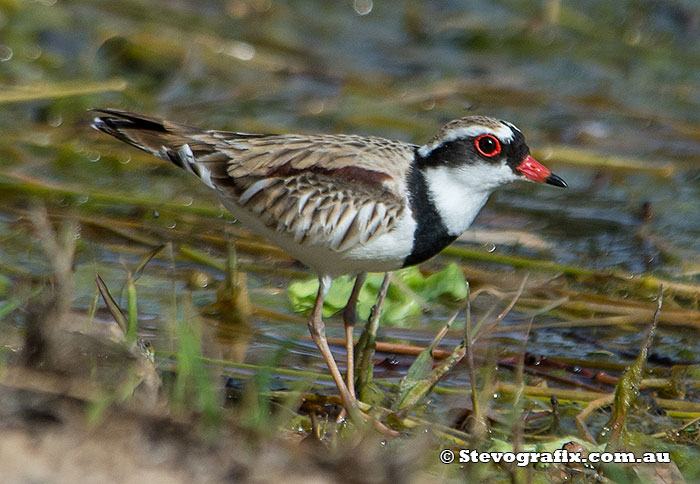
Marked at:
<point>345,203</point>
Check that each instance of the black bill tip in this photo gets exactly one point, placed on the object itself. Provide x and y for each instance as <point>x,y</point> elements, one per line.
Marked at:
<point>555,180</point>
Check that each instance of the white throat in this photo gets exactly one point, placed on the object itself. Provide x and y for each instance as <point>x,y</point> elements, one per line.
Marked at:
<point>459,192</point>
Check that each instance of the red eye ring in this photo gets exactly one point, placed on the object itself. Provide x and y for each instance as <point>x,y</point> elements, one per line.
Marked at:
<point>487,145</point>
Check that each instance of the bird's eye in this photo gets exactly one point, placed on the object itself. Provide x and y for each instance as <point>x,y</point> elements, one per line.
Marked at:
<point>487,145</point>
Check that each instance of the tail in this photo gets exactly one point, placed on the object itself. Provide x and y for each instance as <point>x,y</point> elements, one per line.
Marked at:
<point>178,143</point>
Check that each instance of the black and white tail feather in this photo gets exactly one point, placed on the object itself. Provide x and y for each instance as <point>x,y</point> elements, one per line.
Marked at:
<point>170,141</point>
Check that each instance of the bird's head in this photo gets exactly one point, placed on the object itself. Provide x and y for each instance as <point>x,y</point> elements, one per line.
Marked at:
<point>483,153</point>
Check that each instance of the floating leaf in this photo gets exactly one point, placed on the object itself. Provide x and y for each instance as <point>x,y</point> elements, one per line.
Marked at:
<point>399,303</point>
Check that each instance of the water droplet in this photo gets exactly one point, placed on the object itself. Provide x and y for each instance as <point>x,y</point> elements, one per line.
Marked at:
<point>546,153</point>
<point>43,139</point>
<point>172,225</point>
<point>55,120</point>
<point>199,280</point>
<point>5,53</point>
<point>93,156</point>
<point>124,159</point>
<point>492,248</point>
<point>241,50</point>
<point>316,106</point>
<point>363,7</point>
<point>156,214</point>
<point>188,202</point>
<point>32,52</point>
<point>632,37</point>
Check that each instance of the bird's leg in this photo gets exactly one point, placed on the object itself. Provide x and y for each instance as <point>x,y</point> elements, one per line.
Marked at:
<point>317,328</point>
<point>318,334</point>
<point>349,320</point>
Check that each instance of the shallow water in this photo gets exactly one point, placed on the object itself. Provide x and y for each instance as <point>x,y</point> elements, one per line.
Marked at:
<point>609,80</point>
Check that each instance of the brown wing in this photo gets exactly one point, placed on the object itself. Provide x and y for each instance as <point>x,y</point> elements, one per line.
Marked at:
<point>318,209</point>
<point>336,191</point>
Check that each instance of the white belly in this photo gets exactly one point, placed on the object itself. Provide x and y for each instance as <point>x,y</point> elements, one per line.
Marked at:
<point>383,253</point>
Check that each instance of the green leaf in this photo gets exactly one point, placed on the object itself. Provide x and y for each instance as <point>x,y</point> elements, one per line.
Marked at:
<point>399,304</point>
<point>417,373</point>
<point>302,295</point>
<point>146,260</point>
<point>371,394</point>
<point>133,322</point>
<point>448,282</point>
<point>111,304</point>
<point>627,387</point>
<point>421,377</point>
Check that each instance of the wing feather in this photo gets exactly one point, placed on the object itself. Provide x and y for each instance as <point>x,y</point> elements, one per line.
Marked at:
<point>304,208</point>
<point>335,191</point>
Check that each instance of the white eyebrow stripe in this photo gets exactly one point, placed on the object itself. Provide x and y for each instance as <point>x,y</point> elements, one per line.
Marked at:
<point>511,126</point>
<point>503,132</point>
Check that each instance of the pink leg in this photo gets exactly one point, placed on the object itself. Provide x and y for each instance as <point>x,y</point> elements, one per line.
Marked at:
<point>317,328</point>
